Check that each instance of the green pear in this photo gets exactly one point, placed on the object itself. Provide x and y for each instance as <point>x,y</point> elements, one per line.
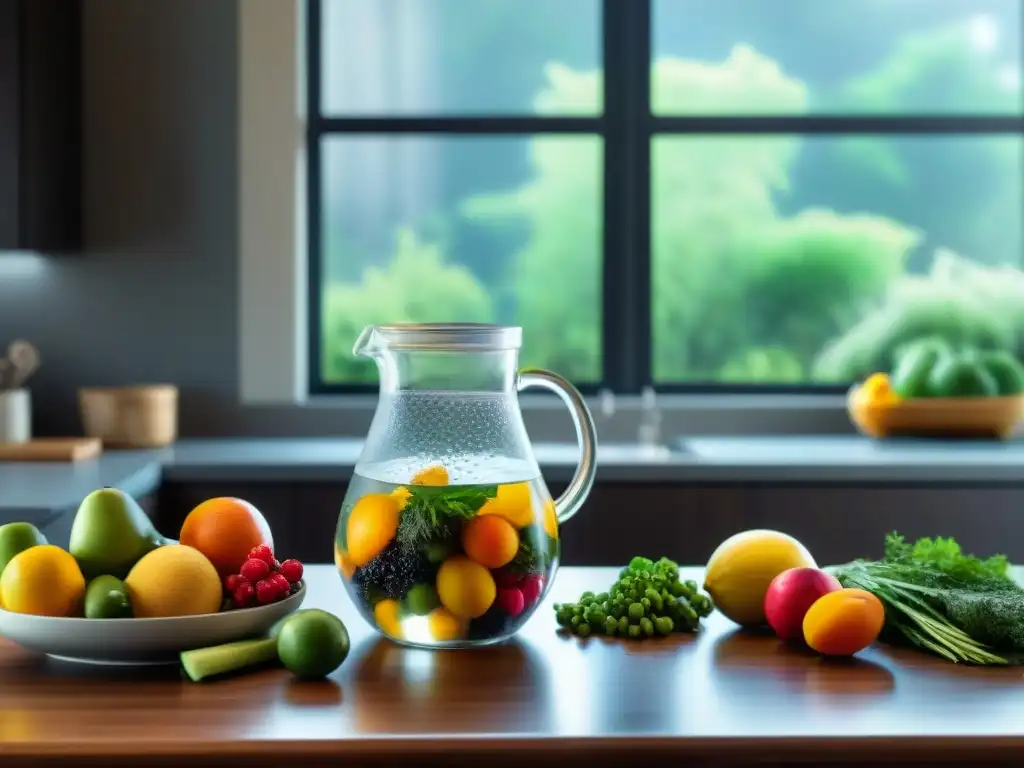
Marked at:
<point>15,538</point>
<point>111,533</point>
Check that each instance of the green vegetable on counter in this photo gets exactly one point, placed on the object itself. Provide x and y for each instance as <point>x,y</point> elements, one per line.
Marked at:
<point>930,367</point>
<point>647,599</point>
<point>309,643</point>
<point>940,600</point>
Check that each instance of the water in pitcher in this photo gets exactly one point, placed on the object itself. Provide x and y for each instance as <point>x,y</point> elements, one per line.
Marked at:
<point>453,555</point>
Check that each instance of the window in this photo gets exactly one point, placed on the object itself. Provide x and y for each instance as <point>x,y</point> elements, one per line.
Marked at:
<point>723,195</point>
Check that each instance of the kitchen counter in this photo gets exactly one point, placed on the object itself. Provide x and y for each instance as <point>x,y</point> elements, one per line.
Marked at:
<point>545,699</point>
<point>38,491</point>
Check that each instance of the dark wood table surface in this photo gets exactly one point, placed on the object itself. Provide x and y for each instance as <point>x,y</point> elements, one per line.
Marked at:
<point>718,698</point>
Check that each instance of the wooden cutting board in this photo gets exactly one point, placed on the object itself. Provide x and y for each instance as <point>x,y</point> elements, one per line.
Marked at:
<point>52,449</point>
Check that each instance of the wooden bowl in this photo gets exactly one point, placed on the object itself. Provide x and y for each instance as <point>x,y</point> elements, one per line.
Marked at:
<point>130,417</point>
<point>955,418</point>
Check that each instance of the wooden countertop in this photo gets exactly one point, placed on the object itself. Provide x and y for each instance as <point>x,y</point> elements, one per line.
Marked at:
<point>721,697</point>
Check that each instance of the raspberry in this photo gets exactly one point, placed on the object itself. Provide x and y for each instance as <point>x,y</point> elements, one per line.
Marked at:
<point>253,570</point>
<point>267,591</point>
<point>292,570</point>
<point>244,595</point>
<point>262,552</point>
<point>282,583</point>
<point>532,587</point>
<point>233,582</point>
<point>510,600</point>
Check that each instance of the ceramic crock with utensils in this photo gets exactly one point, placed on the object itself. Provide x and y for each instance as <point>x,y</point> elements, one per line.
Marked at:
<point>16,369</point>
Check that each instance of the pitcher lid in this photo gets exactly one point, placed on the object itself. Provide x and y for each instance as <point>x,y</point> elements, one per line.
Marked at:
<point>478,337</point>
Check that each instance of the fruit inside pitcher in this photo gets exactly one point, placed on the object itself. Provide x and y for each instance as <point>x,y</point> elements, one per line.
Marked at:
<point>438,562</point>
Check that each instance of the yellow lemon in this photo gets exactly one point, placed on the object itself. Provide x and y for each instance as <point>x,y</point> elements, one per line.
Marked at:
<point>372,524</point>
<point>437,475</point>
<point>44,581</point>
<point>388,615</point>
<point>740,570</point>
<point>175,580</point>
<point>445,625</point>
<point>513,502</point>
<point>344,563</point>
<point>550,519</point>
<point>466,588</point>
<point>878,389</point>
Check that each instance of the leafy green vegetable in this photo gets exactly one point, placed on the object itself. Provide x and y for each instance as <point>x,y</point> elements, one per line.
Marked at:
<point>937,598</point>
<point>436,513</point>
<point>944,555</point>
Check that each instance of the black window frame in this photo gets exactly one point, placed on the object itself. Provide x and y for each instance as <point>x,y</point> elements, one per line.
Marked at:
<point>627,127</point>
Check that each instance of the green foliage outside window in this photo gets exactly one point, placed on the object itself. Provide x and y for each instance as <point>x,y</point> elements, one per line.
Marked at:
<point>744,289</point>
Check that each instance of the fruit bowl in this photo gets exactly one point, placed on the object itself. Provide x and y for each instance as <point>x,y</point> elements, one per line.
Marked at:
<point>140,641</point>
<point>962,417</point>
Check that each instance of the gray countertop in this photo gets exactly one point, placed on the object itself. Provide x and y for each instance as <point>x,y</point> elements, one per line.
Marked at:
<point>39,491</point>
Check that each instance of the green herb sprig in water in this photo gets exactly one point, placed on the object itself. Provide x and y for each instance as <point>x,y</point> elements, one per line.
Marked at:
<point>963,608</point>
<point>435,513</point>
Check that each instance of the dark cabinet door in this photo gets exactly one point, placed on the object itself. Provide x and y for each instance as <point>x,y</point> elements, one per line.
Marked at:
<point>40,125</point>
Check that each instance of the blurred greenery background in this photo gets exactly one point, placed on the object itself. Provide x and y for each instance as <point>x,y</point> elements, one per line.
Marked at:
<point>775,259</point>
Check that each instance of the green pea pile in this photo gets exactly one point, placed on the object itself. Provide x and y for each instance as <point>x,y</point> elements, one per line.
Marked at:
<point>648,599</point>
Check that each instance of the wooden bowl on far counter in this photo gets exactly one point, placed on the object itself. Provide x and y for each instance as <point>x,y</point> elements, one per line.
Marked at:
<point>953,418</point>
<point>130,417</point>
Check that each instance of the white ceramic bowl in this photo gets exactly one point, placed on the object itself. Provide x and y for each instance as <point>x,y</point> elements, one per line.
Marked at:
<point>140,641</point>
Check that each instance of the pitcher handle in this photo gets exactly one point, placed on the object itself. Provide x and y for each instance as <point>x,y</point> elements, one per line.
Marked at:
<point>569,503</point>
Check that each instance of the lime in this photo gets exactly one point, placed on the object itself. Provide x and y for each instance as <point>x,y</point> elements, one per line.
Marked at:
<point>17,537</point>
<point>312,643</point>
<point>421,599</point>
<point>106,598</point>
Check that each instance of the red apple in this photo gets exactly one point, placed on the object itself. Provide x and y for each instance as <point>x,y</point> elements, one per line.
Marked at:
<point>790,596</point>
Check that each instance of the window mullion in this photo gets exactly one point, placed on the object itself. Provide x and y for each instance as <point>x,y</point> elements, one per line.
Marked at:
<point>626,323</point>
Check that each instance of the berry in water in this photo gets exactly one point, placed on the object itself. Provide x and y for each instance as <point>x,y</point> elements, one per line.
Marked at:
<point>244,595</point>
<point>267,591</point>
<point>292,570</point>
<point>232,582</point>
<point>262,552</point>
<point>254,569</point>
<point>393,572</point>
<point>510,600</point>
<point>532,586</point>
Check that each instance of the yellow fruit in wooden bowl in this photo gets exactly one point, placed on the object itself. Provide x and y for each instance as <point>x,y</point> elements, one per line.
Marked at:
<point>175,580</point>
<point>741,569</point>
<point>44,581</point>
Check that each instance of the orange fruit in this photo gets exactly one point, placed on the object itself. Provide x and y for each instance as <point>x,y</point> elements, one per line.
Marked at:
<point>843,622</point>
<point>490,540</point>
<point>550,519</point>
<point>175,580</point>
<point>512,502</point>
<point>43,580</point>
<point>436,475</point>
<point>225,530</point>
<point>371,526</point>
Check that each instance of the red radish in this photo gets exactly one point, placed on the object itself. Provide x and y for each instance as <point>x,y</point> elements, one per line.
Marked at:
<point>790,596</point>
<point>532,586</point>
<point>510,601</point>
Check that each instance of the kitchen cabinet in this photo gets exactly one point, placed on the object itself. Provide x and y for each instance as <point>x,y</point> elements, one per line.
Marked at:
<point>40,125</point>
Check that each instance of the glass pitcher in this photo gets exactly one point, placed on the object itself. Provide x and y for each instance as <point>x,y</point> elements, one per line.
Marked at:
<point>448,536</point>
